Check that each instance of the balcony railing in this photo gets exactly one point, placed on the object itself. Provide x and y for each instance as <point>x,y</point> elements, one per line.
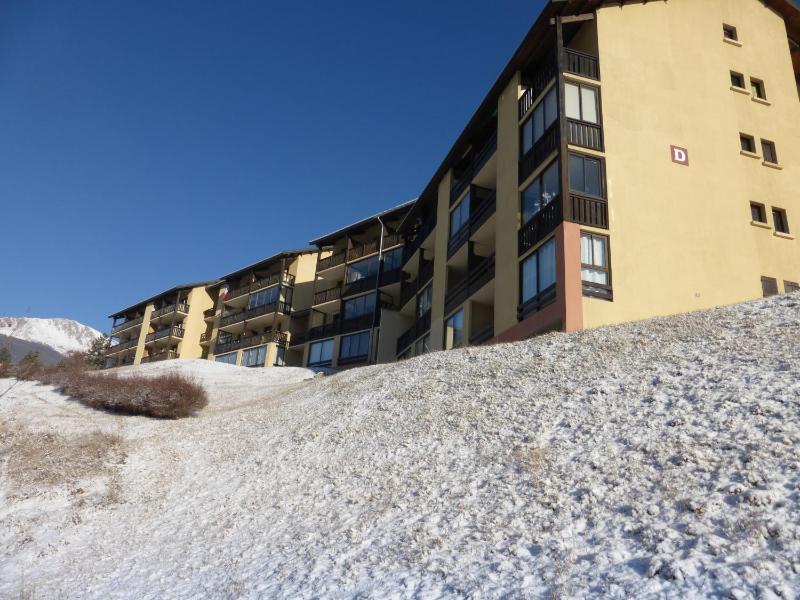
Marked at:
<point>126,325</point>
<point>391,277</point>
<point>256,311</point>
<point>362,250</point>
<point>482,335</point>
<point>169,355</point>
<point>260,284</point>
<point>544,147</point>
<point>479,275</point>
<point>180,307</point>
<point>277,337</point>
<point>205,337</point>
<point>209,313</point>
<point>580,63</point>
<point>409,289</point>
<point>328,262</point>
<point>413,333</point>
<point>586,210</point>
<point>339,327</point>
<point>176,332</point>
<point>121,347</point>
<point>328,295</point>
<point>475,165</point>
<point>542,223</point>
<point>392,239</point>
<point>359,286</point>
<point>587,135</point>
<point>536,84</point>
<point>536,303</point>
<point>482,209</point>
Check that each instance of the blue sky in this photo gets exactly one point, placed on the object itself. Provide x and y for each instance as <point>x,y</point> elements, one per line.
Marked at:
<point>146,144</point>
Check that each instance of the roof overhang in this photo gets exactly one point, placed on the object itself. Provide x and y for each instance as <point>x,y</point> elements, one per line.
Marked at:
<point>172,290</point>
<point>263,263</point>
<point>392,213</point>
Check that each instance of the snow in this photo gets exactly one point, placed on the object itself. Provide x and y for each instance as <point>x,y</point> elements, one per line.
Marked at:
<point>63,335</point>
<point>654,459</point>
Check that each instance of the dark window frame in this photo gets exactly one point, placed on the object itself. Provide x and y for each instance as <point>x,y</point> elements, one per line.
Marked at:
<point>730,32</point>
<point>602,163</point>
<point>320,343</point>
<point>544,296</point>
<point>780,222</point>
<point>749,140</point>
<point>598,290</point>
<point>769,286</point>
<point>599,107</point>
<point>529,119</point>
<point>735,75</point>
<point>769,152</point>
<point>540,177</point>
<point>762,212</point>
<point>758,89</point>
<point>790,287</point>
<point>353,357</point>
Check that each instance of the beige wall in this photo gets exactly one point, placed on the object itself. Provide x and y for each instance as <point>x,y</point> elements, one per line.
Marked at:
<point>681,237</point>
<point>440,262</point>
<point>194,324</point>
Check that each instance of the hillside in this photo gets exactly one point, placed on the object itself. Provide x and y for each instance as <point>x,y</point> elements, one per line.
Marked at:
<point>62,335</point>
<point>647,460</point>
<point>20,348</point>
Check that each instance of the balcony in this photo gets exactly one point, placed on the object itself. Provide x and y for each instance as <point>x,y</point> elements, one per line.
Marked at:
<point>181,307</point>
<point>337,328</point>
<point>391,240</point>
<point>413,333</point>
<point>536,303</point>
<point>168,355</point>
<point>359,286</point>
<point>537,83</point>
<point>362,250</point>
<point>329,295</point>
<point>476,164</point>
<point>334,260</point>
<point>116,349</point>
<point>260,284</point>
<point>126,325</point>
<point>277,337</point>
<point>256,311</point>
<point>409,289</point>
<point>169,332</point>
<point>541,150</point>
<point>582,64</point>
<point>540,225</point>
<point>586,210</point>
<point>426,227</point>
<point>480,211</point>
<point>209,314</point>
<point>479,275</point>
<point>586,135</point>
<point>391,277</point>
<point>205,338</point>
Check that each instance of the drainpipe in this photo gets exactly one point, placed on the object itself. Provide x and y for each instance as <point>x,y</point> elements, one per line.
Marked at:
<point>377,295</point>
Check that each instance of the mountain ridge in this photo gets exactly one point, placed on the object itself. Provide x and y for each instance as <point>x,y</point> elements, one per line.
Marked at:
<point>61,335</point>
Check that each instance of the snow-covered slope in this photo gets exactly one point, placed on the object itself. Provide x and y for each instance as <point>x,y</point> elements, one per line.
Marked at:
<point>62,335</point>
<point>656,459</point>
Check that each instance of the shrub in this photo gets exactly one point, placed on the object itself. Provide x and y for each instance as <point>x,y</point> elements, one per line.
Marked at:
<point>28,367</point>
<point>5,361</point>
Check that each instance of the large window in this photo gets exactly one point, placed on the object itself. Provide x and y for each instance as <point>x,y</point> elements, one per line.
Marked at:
<point>254,357</point>
<point>595,272</point>
<point>454,330</point>
<point>459,216</point>
<point>362,269</point>
<point>320,353</point>
<point>540,192</point>
<point>425,300</point>
<point>539,274</point>
<point>582,102</point>
<point>585,175</point>
<point>354,346</point>
<point>262,297</point>
<point>226,358</point>
<point>393,260</point>
<point>280,357</point>
<point>360,306</point>
<point>543,116</point>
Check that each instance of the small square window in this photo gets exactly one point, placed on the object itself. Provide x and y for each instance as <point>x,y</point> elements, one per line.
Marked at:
<point>779,220</point>
<point>730,33</point>
<point>758,213</point>
<point>748,143</point>
<point>769,286</point>
<point>737,80</point>
<point>757,87</point>
<point>791,287</point>
<point>770,155</point>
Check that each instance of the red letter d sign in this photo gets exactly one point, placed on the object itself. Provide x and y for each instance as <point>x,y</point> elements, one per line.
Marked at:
<point>680,155</point>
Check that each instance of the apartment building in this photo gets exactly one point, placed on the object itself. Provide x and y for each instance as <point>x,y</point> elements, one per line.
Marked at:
<point>166,326</point>
<point>634,159</point>
<point>251,321</point>
<point>352,319</point>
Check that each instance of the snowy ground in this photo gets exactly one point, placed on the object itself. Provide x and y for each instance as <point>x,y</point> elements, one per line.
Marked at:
<point>656,459</point>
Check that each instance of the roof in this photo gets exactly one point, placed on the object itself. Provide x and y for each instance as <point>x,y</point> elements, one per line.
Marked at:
<point>177,288</point>
<point>394,212</point>
<point>533,43</point>
<point>264,262</point>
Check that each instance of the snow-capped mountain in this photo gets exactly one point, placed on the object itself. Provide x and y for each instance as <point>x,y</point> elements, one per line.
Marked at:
<point>62,335</point>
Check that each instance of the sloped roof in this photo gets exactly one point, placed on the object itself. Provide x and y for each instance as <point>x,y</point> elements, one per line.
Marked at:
<point>263,263</point>
<point>172,290</point>
<point>394,212</point>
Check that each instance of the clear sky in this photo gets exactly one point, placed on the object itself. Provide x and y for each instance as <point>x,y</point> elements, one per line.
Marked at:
<point>149,143</point>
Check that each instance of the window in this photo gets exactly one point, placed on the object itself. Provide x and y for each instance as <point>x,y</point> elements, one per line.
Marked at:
<point>354,346</point>
<point>459,216</point>
<point>454,330</point>
<point>779,220</point>
<point>769,286</point>
<point>262,297</point>
<point>730,33</point>
<point>229,359</point>
<point>423,345</point>
<point>790,287</point>
<point>770,155</point>
<point>595,272</point>
<point>543,116</point>
<point>540,192</point>
<point>425,300</point>
<point>757,86</point>
<point>748,143</point>
<point>581,102</point>
<point>538,272</point>
<point>320,353</point>
<point>737,80</point>
<point>254,357</point>
<point>585,175</point>
<point>360,306</point>
<point>393,260</point>
<point>362,269</point>
<point>758,213</point>
<point>280,357</point>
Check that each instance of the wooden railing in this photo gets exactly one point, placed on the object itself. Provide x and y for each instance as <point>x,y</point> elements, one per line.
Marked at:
<point>544,74</point>
<point>123,346</point>
<point>362,250</point>
<point>583,64</point>
<point>328,295</point>
<point>168,355</point>
<point>126,325</point>
<point>176,332</point>
<point>392,239</point>
<point>587,135</point>
<point>205,337</point>
<point>586,210</point>
<point>479,275</point>
<point>180,307</point>
<point>278,337</point>
<point>476,164</point>
<point>254,312</point>
<point>209,313</point>
<point>542,223</point>
<point>543,148</point>
<point>330,261</point>
<point>536,303</point>
<point>260,284</point>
